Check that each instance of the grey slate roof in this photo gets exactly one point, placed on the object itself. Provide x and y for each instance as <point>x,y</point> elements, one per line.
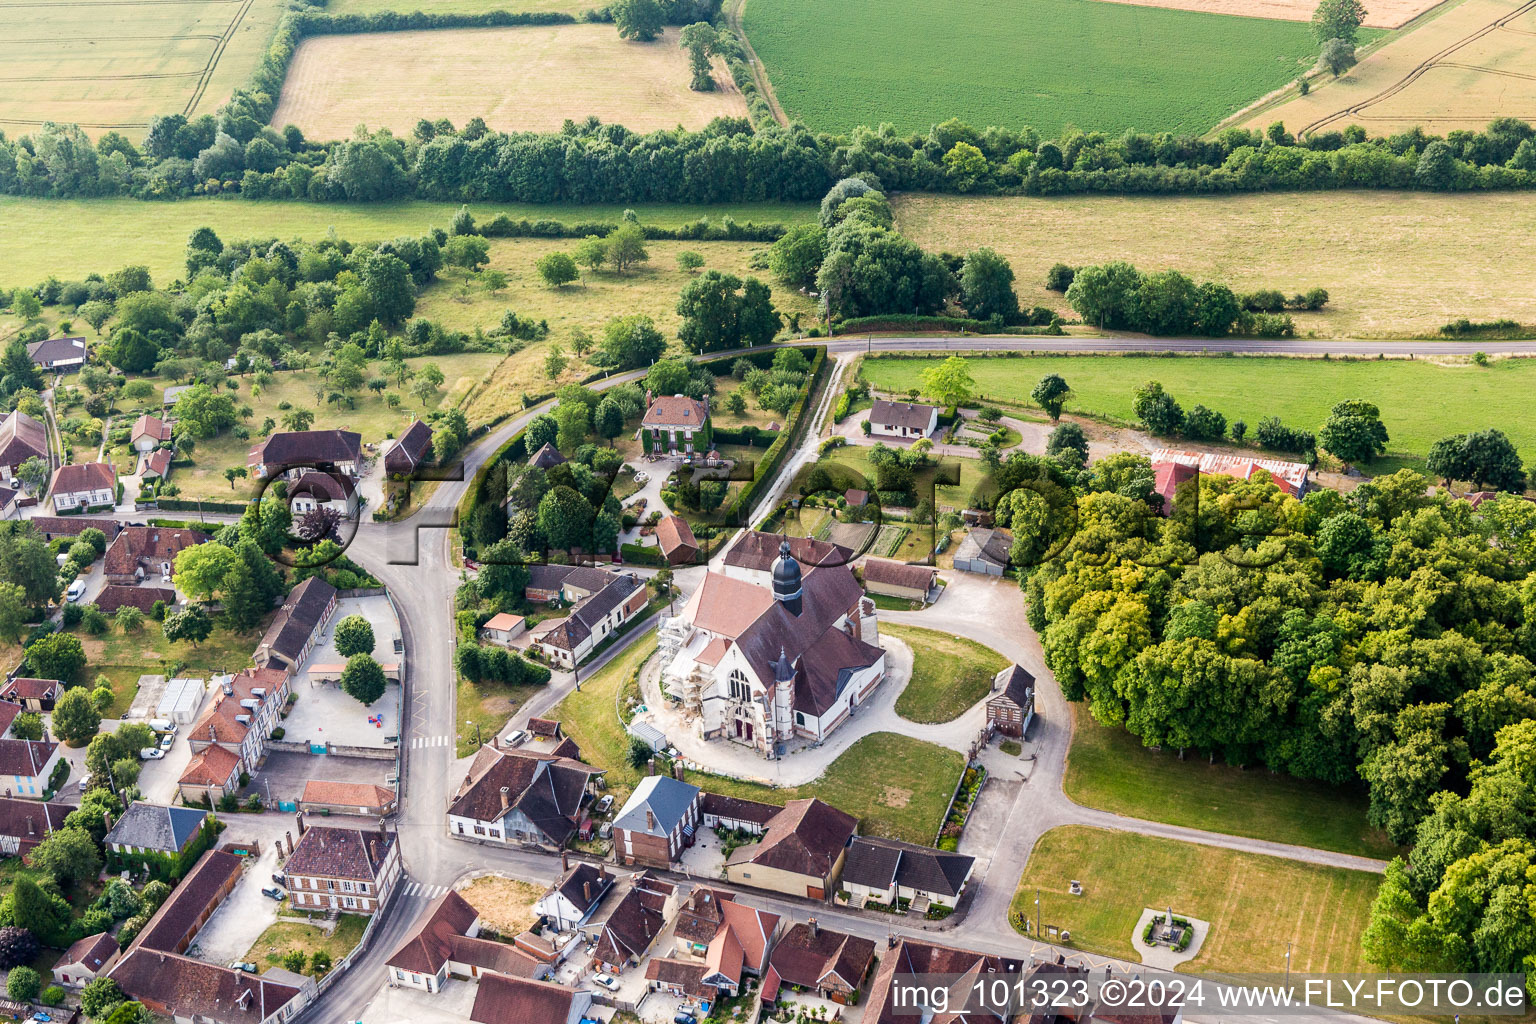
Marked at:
<point>901,414</point>
<point>665,797</point>
<point>1015,684</point>
<point>989,545</point>
<point>155,827</point>
<point>878,862</point>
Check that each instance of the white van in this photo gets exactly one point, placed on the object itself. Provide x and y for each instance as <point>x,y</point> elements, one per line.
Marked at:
<point>163,725</point>
<point>75,591</point>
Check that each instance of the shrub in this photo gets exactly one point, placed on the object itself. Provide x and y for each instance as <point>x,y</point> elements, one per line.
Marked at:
<point>17,946</point>
<point>23,984</point>
<point>1059,277</point>
<point>53,995</point>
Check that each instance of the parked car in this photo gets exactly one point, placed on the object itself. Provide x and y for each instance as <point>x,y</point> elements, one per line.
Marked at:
<point>76,591</point>
<point>151,754</point>
<point>280,879</point>
<point>608,982</point>
<point>516,738</point>
<point>85,782</point>
<point>605,803</point>
<point>41,1016</point>
<point>683,1017</point>
<point>605,830</point>
<point>273,893</point>
<point>167,741</point>
<point>244,965</point>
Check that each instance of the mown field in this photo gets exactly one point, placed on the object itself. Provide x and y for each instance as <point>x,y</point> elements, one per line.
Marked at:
<point>572,7</point>
<point>1044,63</point>
<point>949,674</point>
<point>71,238</point>
<point>1473,76</point>
<point>530,78</point>
<point>1420,401</point>
<point>115,65</point>
<point>1256,905</point>
<point>1398,263</point>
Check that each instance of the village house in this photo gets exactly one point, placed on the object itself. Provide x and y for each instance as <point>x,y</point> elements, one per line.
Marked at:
<point>736,938</point>
<point>506,1000</point>
<point>447,943</point>
<point>764,666</point>
<point>903,419</point>
<point>984,551</point>
<point>10,503</point>
<point>141,551</point>
<point>114,596</point>
<point>671,423</point>
<point>410,451</point>
<point>815,959</point>
<point>292,634</point>
<point>212,773</point>
<point>1172,467</point>
<point>312,489</point>
<point>32,694</point>
<point>358,798</point>
<point>601,602</point>
<point>86,960</point>
<point>156,465</point>
<point>21,438</point>
<point>501,628</point>
<point>547,457</point>
<point>676,540</point>
<point>886,871</point>
<point>290,453</point>
<point>51,528</point>
<point>634,922</point>
<point>520,796</point>
<point>149,432</point>
<point>735,814</point>
<point>657,822</point>
<point>242,716</point>
<point>913,957</point>
<point>1011,707</point>
<point>346,869</point>
<point>25,823</point>
<point>681,979</point>
<point>147,832</point>
<point>85,485</point>
<point>899,579</point>
<point>26,766</point>
<point>801,853</point>
<point>570,901</point>
<point>61,355</point>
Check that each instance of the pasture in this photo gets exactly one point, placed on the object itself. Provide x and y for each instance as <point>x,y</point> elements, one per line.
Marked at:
<point>1386,14</point>
<point>1256,905</point>
<point>531,78</point>
<point>1460,68</point>
<point>1044,63</point>
<point>70,238</point>
<point>1398,263</point>
<point>1420,401</point>
<point>112,66</point>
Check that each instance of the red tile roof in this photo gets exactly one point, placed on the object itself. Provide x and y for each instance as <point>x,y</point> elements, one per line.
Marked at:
<point>212,766</point>
<point>84,476</point>
<point>429,948</point>
<point>326,852</point>
<point>139,544</point>
<point>24,688</point>
<point>805,838</point>
<point>152,427</point>
<point>349,794</point>
<point>504,1000</point>
<point>676,411</point>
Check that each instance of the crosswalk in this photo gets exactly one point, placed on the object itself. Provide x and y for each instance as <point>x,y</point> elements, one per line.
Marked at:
<point>417,742</point>
<point>426,892</point>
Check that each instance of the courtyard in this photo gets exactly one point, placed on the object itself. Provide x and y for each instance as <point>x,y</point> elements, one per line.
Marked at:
<point>324,713</point>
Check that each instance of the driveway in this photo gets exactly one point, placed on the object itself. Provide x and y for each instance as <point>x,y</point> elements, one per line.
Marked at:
<point>241,918</point>
<point>656,475</point>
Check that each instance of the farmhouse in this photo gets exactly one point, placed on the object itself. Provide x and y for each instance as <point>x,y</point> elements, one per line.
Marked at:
<point>290,452</point>
<point>149,432</point>
<point>570,901</point>
<point>634,922</point>
<point>983,551</point>
<point>346,869</point>
<point>25,823</point>
<point>32,694</point>
<point>657,822</point>
<point>517,796</point>
<point>291,636</point>
<point>671,422</point>
<point>761,666</point>
<point>140,551</point>
<point>21,438</point>
<point>1011,707</point>
<point>809,957</point>
<point>413,448</point>
<point>885,871</point>
<point>1171,467</point>
<point>899,579</point>
<point>903,419</point>
<point>26,766</point>
<point>53,527</point>
<point>347,798</point>
<point>447,942</point>
<point>602,601</point>
<point>84,485</point>
<point>801,853</point>
<point>675,536</point>
<point>86,960</point>
<point>62,355</point>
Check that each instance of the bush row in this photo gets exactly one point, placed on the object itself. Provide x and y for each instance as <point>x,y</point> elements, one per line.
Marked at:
<point>701,230</point>
<point>773,458</point>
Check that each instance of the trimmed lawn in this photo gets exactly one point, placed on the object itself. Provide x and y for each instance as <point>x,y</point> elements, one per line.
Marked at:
<point>949,674</point>
<point>123,657</point>
<point>1420,401</point>
<point>488,706</point>
<point>1255,904</point>
<point>70,238</point>
<point>269,947</point>
<point>1110,769</point>
<point>896,786</point>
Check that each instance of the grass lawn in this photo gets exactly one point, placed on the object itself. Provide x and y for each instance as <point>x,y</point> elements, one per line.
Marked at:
<point>489,706</point>
<point>896,786</point>
<point>73,237</point>
<point>505,904</point>
<point>1043,63</point>
<point>282,936</point>
<point>1402,262</point>
<point>1420,401</point>
<point>949,674</point>
<point>123,657</point>
<point>1110,769</point>
<point>1255,904</point>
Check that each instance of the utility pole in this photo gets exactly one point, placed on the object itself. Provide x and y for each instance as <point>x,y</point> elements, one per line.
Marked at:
<point>1037,913</point>
<point>478,741</point>
<point>1287,964</point>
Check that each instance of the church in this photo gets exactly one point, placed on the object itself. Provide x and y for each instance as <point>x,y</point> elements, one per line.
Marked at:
<point>767,662</point>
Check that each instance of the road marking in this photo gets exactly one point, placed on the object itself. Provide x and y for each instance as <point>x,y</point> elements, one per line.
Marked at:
<point>418,742</point>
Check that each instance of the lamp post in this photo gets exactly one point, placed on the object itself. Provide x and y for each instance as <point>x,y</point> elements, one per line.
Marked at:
<point>477,731</point>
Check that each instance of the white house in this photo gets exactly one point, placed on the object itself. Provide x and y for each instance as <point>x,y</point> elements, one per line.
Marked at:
<point>903,419</point>
<point>447,943</point>
<point>149,432</point>
<point>885,871</point>
<point>569,903</point>
<point>86,960</point>
<point>61,355</point>
<point>84,485</point>
<point>314,489</point>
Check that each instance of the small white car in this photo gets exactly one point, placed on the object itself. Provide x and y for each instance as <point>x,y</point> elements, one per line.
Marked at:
<point>607,981</point>
<point>75,591</point>
<point>151,754</point>
<point>85,782</point>
<point>167,740</point>
<point>605,803</point>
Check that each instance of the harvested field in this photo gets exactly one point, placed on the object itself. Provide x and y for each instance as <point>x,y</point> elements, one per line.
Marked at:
<point>344,7</point>
<point>518,79</point>
<point>1399,263</point>
<point>1461,68</point>
<point>505,904</point>
<point>112,65</point>
<point>1384,14</point>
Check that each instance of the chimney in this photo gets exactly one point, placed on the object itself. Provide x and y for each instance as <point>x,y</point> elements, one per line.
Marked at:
<point>213,736</point>
<point>106,817</point>
<point>812,924</point>
<point>506,799</point>
<point>650,820</point>
<point>565,861</point>
<point>299,816</point>
<point>677,769</point>
<point>382,832</point>
<point>289,836</point>
<point>602,873</point>
<point>586,892</point>
<point>32,826</point>
<point>373,850</point>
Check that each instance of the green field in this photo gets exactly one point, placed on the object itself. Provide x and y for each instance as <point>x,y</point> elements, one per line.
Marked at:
<point>1255,904</point>
<point>1111,770</point>
<point>1048,64</point>
<point>1420,401</point>
<point>71,238</point>
<point>896,786</point>
<point>949,674</point>
<point>344,7</point>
